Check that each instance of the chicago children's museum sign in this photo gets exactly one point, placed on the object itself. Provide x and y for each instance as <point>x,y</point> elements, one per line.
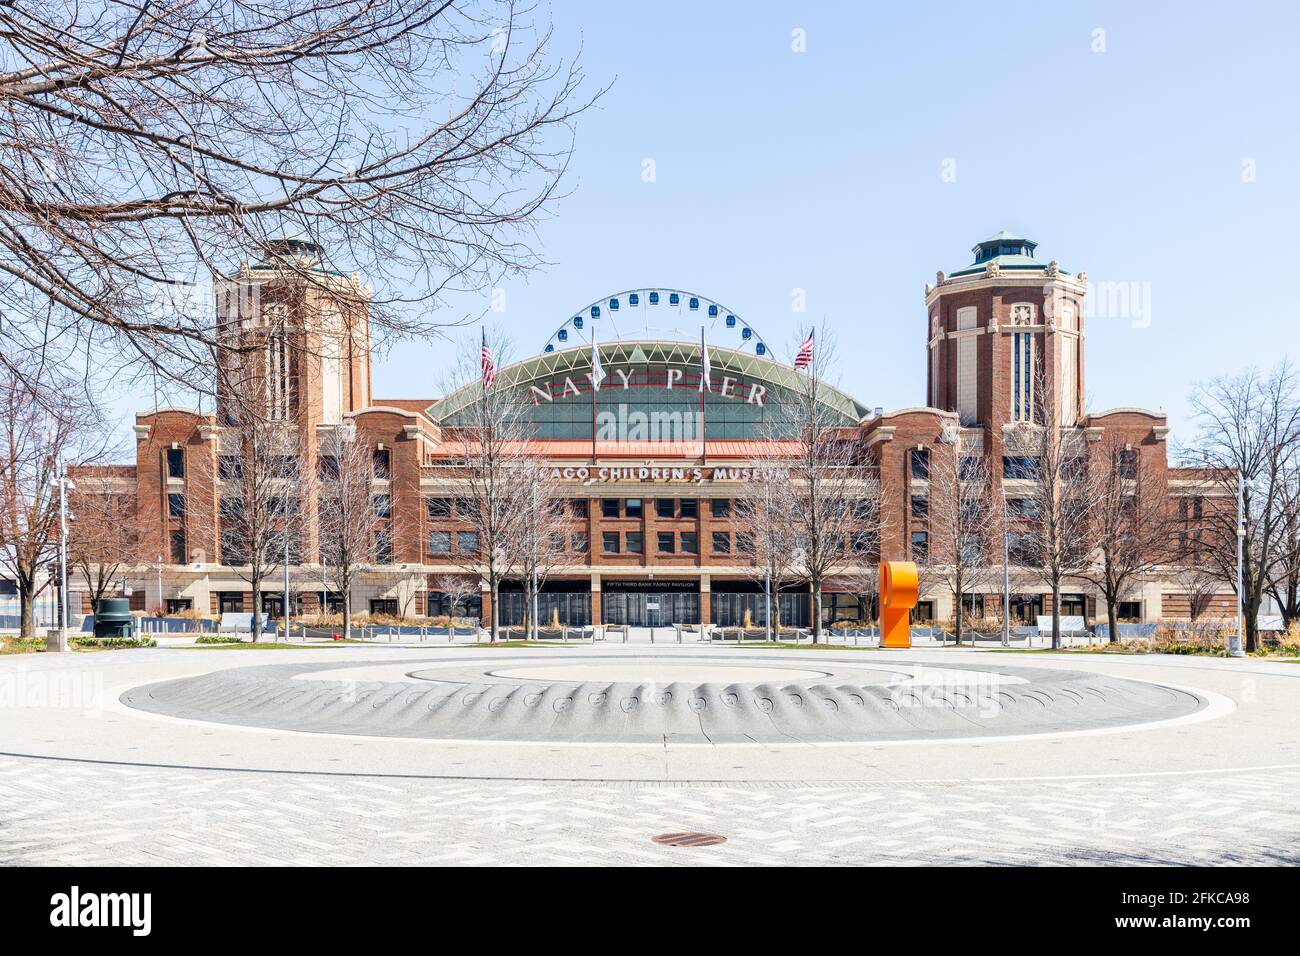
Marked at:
<point>614,473</point>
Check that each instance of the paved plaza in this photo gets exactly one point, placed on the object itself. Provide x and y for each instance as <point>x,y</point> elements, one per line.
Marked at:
<point>87,780</point>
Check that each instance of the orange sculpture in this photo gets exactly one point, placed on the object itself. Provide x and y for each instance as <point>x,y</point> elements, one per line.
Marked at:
<point>899,591</point>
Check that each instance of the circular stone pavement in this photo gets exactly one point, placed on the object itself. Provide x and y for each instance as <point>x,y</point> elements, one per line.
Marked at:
<point>727,699</point>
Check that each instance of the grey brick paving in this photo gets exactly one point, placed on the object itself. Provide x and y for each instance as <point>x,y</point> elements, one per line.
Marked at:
<point>74,813</point>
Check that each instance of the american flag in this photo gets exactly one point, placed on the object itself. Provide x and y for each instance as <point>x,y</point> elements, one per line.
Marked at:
<point>805,356</point>
<point>489,367</point>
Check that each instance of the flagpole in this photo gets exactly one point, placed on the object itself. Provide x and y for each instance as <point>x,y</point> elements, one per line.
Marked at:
<point>704,440</point>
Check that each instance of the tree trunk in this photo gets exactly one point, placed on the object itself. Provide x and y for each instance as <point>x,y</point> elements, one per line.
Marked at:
<point>26,610</point>
<point>347,615</point>
<point>957,620</point>
<point>817,612</point>
<point>496,608</point>
<point>1113,620</point>
<point>1056,615</point>
<point>257,614</point>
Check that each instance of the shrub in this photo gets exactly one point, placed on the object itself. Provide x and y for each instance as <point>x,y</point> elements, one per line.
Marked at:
<point>114,642</point>
<point>217,639</point>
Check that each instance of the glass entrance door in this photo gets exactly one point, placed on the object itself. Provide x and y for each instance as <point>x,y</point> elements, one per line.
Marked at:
<point>650,608</point>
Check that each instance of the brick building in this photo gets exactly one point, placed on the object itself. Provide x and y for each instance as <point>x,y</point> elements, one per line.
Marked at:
<point>652,530</point>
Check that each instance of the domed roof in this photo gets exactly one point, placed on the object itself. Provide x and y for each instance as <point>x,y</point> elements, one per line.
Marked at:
<point>1008,250</point>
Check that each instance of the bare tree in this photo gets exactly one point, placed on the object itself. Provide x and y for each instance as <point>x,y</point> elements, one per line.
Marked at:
<point>536,539</point>
<point>1132,524</point>
<point>492,435</point>
<point>1248,428</point>
<point>963,519</point>
<point>832,473</point>
<point>101,537</point>
<point>346,512</point>
<point>41,430</point>
<point>263,486</point>
<point>1200,583</point>
<point>458,588</point>
<point>145,150</point>
<point>763,508</point>
<point>1283,584</point>
<point>1053,459</point>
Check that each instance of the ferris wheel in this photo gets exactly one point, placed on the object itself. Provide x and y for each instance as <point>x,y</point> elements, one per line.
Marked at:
<point>656,314</point>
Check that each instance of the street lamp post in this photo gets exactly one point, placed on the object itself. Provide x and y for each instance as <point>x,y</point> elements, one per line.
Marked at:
<point>767,600</point>
<point>1235,641</point>
<point>61,480</point>
<point>285,608</point>
<point>1006,575</point>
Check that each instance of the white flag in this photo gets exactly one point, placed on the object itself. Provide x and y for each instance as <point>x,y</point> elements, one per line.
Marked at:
<point>597,370</point>
<point>706,369</point>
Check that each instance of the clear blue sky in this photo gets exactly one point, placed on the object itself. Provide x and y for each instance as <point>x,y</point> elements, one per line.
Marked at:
<point>822,170</point>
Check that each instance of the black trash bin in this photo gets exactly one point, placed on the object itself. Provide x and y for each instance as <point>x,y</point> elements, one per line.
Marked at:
<point>113,617</point>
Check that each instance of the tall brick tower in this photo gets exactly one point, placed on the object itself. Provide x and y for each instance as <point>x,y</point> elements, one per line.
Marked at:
<point>997,324</point>
<point>308,327</point>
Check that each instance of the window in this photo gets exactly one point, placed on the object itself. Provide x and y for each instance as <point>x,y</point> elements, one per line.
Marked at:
<point>1021,548</point>
<point>721,542</point>
<point>383,506</point>
<point>635,543</point>
<point>578,507</point>
<point>1022,376</point>
<point>1026,608</point>
<point>179,605</point>
<point>437,509</point>
<point>720,507</point>
<point>972,605</point>
<point>327,467</point>
<point>632,507</point>
<point>466,508</point>
<point>968,467</point>
<point>230,467</point>
<point>920,460</point>
<point>383,546</point>
<point>609,508</point>
<point>610,542</point>
<point>690,542</point>
<point>1021,466</point>
<point>864,542</point>
<point>230,602</point>
<point>1197,505</point>
<point>176,506</point>
<point>283,466</point>
<point>1128,463</point>
<point>689,508</point>
<point>744,542</point>
<point>666,542</point>
<point>1023,508</point>
<point>578,542</point>
<point>440,542</point>
<point>920,506</point>
<point>665,507</point>
<point>1073,605</point>
<point>555,542</point>
<point>1128,610</point>
<point>177,542</point>
<point>920,546</point>
<point>864,508</point>
<point>467,542</point>
<point>381,464</point>
<point>384,606</point>
<point>175,463</point>
<point>232,548</point>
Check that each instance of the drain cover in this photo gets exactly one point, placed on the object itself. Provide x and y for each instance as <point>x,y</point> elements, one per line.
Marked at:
<point>689,839</point>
